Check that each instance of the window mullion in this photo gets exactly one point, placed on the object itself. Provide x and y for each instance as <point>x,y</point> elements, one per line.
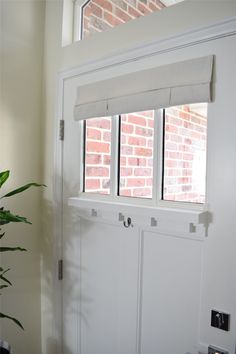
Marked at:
<point>114,156</point>
<point>157,156</point>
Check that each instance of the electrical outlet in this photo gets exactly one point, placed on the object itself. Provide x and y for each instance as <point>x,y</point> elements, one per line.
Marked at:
<point>220,320</point>
<point>215,350</point>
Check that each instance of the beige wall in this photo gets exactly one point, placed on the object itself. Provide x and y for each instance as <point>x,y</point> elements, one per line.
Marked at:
<point>21,49</point>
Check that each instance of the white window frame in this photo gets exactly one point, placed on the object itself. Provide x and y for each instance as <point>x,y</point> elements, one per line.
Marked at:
<point>158,164</point>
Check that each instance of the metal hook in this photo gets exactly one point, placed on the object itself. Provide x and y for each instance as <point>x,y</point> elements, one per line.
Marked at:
<point>127,223</point>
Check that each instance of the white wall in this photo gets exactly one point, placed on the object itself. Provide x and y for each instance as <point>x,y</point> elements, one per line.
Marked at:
<point>21,49</point>
<point>187,17</point>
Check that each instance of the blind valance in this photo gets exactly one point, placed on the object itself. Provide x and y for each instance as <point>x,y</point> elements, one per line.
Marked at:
<point>164,86</point>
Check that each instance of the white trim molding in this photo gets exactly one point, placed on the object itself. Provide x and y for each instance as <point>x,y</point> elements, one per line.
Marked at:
<point>215,31</point>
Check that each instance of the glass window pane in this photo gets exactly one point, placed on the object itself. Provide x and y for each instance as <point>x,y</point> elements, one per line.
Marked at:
<point>136,154</point>
<point>101,15</point>
<point>185,153</point>
<point>97,155</point>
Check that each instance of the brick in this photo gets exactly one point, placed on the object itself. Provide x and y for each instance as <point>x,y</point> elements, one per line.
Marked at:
<point>112,20</point>
<point>135,182</point>
<point>171,163</point>
<point>143,131</point>
<point>143,152</point>
<point>175,121</point>
<point>136,120</point>
<point>159,4</point>
<point>171,146</point>
<point>173,172</point>
<point>93,159</point>
<point>124,171</point>
<point>142,192</point>
<point>87,10</point>
<point>96,10</point>
<point>97,171</point>
<point>133,161</point>
<point>186,188</point>
<point>93,134</point>
<point>98,24</point>
<point>106,159</point>
<point>143,161</point>
<point>142,171</point>
<point>176,138</point>
<point>126,150</point>
<point>171,128</point>
<point>107,136</point>
<point>127,128</point>
<point>122,161</point>
<point>150,123</point>
<point>97,147</point>
<point>175,155</point>
<point>122,15</point>
<point>149,181</point>
<point>123,139</point>
<point>153,7</point>
<point>102,123</point>
<point>92,184</point>
<point>120,3</point>
<point>134,12</point>
<point>187,156</point>
<point>144,9</point>
<point>187,172</point>
<point>184,180</point>
<point>104,4</point>
<point>138,141</point>
<point>125,192</point>
<point>132,2</point>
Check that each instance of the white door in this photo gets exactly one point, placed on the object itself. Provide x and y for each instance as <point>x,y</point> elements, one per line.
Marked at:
<point>125,290</point>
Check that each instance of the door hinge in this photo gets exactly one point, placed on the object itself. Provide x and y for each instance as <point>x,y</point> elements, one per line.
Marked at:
<point>61,130</point>
<point>60,269</point>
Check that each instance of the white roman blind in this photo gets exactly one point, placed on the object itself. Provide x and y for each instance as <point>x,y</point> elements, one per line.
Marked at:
<point>164,86</point>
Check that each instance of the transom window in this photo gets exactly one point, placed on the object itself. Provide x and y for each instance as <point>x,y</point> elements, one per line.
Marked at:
<point>100,15</point>
<point>164,148</point>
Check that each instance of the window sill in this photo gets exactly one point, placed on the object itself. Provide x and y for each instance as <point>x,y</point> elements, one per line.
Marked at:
<point>167,220</point>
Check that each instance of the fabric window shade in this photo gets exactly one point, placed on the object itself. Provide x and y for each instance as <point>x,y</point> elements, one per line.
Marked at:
<point>164,86</point>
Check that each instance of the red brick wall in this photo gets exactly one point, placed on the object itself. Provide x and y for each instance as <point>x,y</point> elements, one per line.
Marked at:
<point>100,15</point>
<point>185,150</point>
<point>185,154</point>
<point>136,154</point>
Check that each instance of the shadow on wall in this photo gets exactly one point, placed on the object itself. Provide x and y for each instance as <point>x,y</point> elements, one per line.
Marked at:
<point>52,302</point>
<point>52,345</point>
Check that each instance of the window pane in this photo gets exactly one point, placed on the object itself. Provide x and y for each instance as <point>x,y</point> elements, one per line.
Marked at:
<point>136,154</point>
<point>97,155</point>
<point>185,153</point>
<point>101,15</point>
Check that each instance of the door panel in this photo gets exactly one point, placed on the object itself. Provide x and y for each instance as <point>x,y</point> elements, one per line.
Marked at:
<point>170,294</point>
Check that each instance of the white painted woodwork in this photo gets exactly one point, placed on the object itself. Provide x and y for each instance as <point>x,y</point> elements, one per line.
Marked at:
<point>142,291</point>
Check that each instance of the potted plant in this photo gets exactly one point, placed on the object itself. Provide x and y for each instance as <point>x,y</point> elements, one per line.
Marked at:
<point>6,217</point>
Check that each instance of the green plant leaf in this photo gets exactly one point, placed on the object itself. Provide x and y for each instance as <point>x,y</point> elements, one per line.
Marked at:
<point>22,189</point>
<point>5,279</point>
<point>2,315</point>
<point>6,249</point>
<point>3,286</point>
<point>6,216</point>
<point>3,177</point>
